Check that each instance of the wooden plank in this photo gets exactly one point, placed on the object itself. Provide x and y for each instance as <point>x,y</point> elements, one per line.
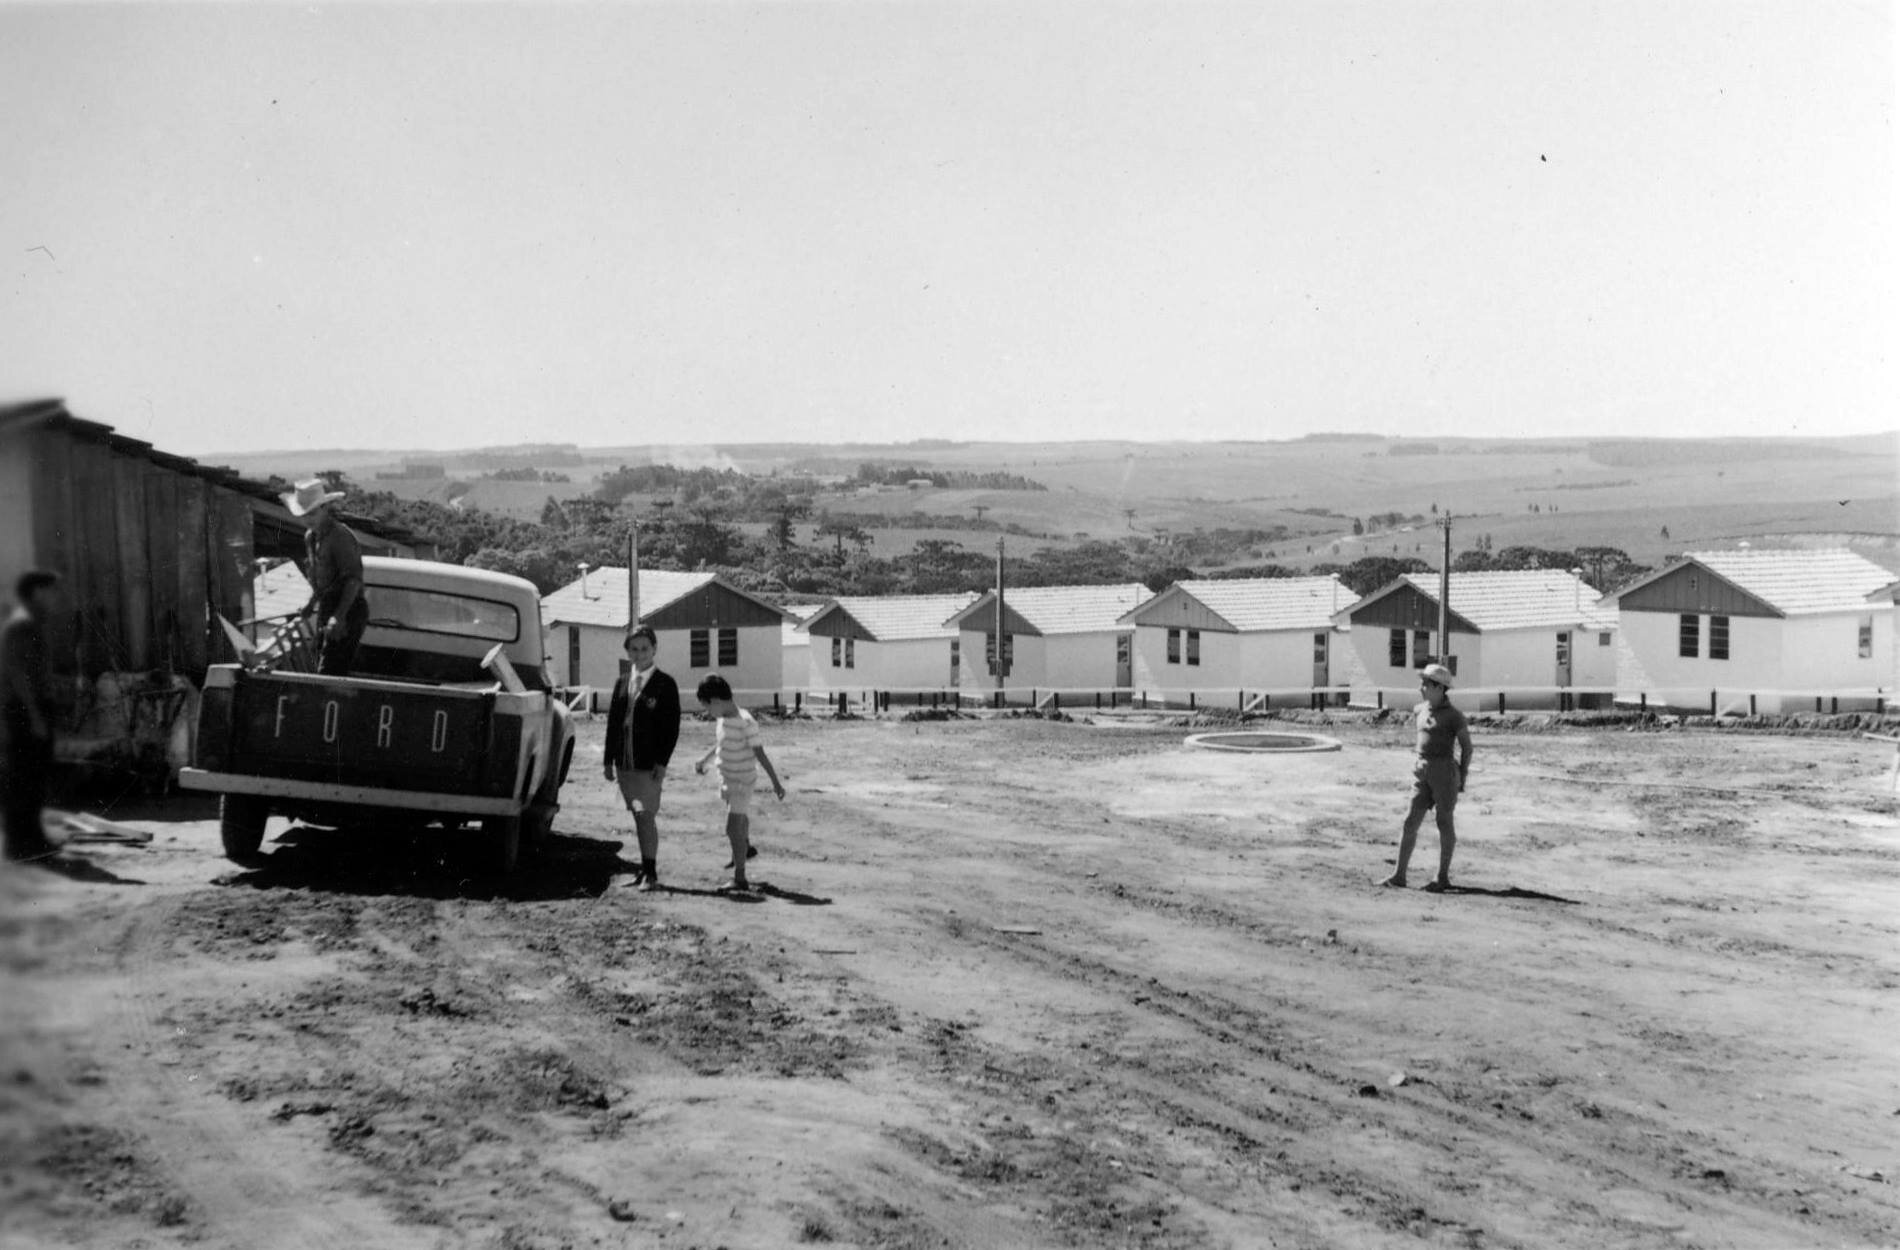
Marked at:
<point>102,642</point>
<point>134,570</point>
<point>194,598</point>
<point>229,531</point>
<point>55,539</point>
<point>161,560</point>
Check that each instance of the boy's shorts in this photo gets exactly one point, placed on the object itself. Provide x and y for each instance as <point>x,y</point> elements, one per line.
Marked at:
<point>737,796</point>
<point>640,787</point>
<point>1435,783</point>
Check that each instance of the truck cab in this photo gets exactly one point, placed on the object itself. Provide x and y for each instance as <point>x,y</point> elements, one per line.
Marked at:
<point>446,717</point>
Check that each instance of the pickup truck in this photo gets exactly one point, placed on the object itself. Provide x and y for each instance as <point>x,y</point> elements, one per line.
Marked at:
<point>446,717</point>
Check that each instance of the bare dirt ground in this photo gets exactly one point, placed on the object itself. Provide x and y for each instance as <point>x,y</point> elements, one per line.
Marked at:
<point>1009,984</point>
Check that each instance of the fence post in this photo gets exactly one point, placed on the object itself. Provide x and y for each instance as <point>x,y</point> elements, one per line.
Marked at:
<point>775,707</point>
<point>1055,700</point>
<point>1379,696</point>
<point>1817,703</point>
<point>1642,700</point>
<point>1834,703</point>
<point>1751,705</point>
<point>1500,703</point>
<point>1098,700</point>
<point>1190,700</point>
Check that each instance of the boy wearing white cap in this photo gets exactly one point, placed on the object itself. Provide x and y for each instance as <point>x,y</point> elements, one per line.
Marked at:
<point>1437,778</point>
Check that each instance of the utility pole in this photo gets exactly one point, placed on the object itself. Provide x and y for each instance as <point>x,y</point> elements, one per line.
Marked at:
<point>1444,595</point>
<point>1002,654</point>
<point>633,577</point>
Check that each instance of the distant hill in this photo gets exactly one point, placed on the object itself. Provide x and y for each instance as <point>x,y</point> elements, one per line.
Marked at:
<point>1555,493</point>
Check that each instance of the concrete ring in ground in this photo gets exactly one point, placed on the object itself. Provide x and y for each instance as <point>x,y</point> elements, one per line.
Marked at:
<point>1260,743</point>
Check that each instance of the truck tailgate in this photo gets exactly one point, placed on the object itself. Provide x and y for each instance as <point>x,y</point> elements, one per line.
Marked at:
<point>364,732</point>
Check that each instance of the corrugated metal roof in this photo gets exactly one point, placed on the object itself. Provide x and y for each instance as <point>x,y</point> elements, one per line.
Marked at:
<point>1064,609</point>
<point>279,591</point>
<point>1522,599</point>
<point>605,602</point>
<point>1265,603</point>
<point>897,618</point>
<point>1799,581</point>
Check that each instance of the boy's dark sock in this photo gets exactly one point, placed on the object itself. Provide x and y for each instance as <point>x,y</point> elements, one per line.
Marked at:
<point>650,867</point>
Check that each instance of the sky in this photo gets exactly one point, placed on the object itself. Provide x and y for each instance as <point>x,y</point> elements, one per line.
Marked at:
<point>275,226</point>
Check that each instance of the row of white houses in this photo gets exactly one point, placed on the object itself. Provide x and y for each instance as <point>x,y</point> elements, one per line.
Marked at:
<point>1747,630</point>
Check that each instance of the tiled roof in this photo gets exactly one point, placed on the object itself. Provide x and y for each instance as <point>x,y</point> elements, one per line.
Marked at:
<point>1067,609</point>
<point>897,618</point>
<point>1799,581</point>
<point>1522,599</point>
<point>797,614</point>
<point>279,591</point>
<point>605,602</point>
<point>1263,603</point>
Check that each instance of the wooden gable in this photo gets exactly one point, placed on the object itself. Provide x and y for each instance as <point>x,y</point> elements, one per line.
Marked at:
<point>980,618</point>
<point>1175,608</point>
<point>713,606</point>
<point>1693,589</point>
<point>835,622</point>
<point>1407,607</point>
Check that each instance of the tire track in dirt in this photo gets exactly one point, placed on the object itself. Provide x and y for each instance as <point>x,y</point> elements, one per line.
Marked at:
<point>208,1148</point>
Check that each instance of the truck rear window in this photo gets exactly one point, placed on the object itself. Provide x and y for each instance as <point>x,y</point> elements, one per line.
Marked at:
<point>433,612</point>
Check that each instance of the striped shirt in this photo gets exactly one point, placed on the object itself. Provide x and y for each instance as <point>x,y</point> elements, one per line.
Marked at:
<point>735,736</point>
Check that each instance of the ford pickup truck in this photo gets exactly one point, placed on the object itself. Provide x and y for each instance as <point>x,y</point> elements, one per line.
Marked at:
<point>446,717</point>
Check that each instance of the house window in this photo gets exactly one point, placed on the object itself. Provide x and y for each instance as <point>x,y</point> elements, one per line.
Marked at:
<point>1603,638</point>
<point>1689,636</point>
<point>1421,648</point>
<point>1395,649</point>
<point>1194,647</point>
<point>699,650</point>
<point>1174,646</point>
<point>851,653</point>
<point>837,652</point>
<point>728,648</point>
<point>1718,638</point>
<point>1319,649</point>
<point>1866,637</point>
<point>573,655</point>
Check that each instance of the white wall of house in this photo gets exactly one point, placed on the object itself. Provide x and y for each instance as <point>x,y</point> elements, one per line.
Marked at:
<point>1820,657</point>
<point>1520,662</point>
<point>905,665</point>
<point>795,661</point>
<point>1276,660</point>
<point>1648,664</point>
<point>1073,662</point>
<point>758,675</point>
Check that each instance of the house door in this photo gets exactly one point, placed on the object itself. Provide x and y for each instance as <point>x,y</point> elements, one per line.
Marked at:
<point>573,655</point>
<point>1124,661</point>
<point>1321,668</point>
<point>1563,659</point>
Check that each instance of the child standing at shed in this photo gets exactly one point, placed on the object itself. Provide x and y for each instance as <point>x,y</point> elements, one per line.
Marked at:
<point>740,753</point>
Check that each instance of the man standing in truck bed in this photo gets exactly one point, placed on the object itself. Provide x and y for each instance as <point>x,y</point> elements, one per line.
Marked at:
<point>335,569</point>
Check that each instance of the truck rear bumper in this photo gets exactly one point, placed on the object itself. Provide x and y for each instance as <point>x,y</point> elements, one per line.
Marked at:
<point>325,792</point>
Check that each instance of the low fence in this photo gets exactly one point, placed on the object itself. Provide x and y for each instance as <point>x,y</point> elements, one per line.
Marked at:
<point>1249,700</point>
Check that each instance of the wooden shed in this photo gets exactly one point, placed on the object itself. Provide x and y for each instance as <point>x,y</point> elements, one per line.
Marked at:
<point>150,545</point>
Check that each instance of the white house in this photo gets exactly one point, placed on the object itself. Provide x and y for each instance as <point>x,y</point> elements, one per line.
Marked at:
<point>902,643</point>
<point>795,645</point>
<point>1230,641</point>
<point>1767,631</point>
<point>703,625</point>
<point>1068,639</point>
<point>1524,638</point>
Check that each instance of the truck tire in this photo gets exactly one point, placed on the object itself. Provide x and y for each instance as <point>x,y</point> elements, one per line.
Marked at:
<point>501,843</point>
<point>241,820</point>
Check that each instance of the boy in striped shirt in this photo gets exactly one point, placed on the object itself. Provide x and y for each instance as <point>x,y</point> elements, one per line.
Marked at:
<point>740,753</point>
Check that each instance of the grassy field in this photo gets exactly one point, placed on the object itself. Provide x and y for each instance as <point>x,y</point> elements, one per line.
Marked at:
<point>1708,492</point>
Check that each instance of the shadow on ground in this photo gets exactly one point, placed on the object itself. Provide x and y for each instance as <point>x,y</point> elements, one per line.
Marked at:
<point>429,863</point>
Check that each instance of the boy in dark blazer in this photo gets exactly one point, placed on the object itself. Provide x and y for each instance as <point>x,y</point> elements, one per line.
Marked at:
<point>643,727</point>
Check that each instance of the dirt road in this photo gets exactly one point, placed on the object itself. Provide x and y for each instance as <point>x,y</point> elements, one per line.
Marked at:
<point>1008,984</point>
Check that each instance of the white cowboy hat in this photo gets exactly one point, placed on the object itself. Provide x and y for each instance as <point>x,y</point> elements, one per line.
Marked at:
<point>1438,673</point>
<point>309,496</point>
